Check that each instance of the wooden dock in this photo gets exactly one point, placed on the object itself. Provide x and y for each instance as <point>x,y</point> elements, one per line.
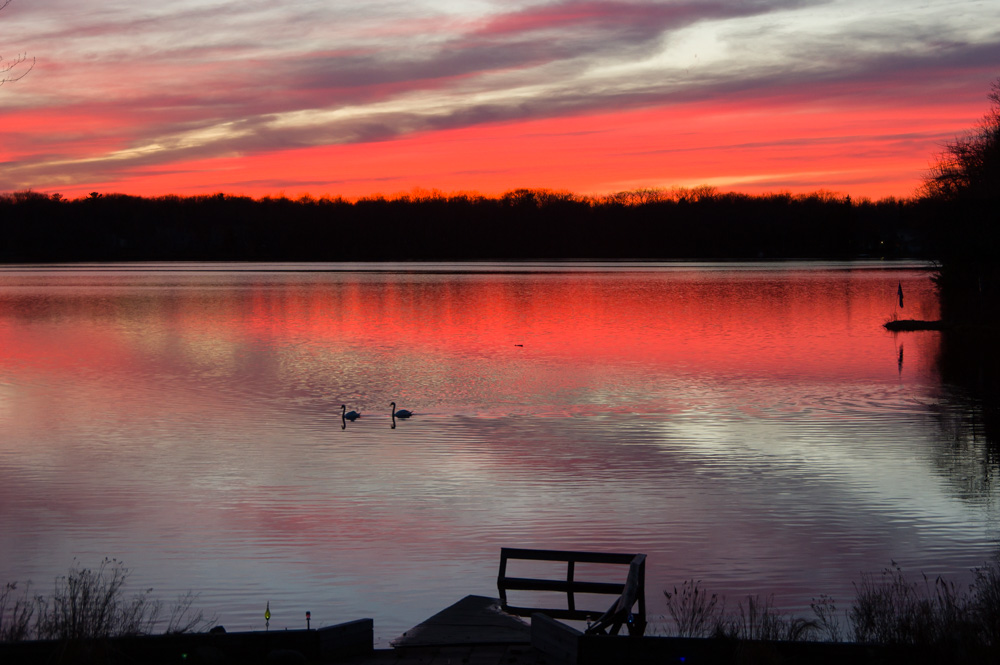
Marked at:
<point>482,654</point>
<point>472,620</point>
<point>478,630</point>
<point>473,631</point>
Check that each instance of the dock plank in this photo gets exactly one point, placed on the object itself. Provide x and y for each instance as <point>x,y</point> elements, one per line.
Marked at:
<point>489,654</point>
<point>472,620</point>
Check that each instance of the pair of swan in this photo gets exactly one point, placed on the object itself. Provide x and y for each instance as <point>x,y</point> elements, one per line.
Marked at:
<point>354,415</point>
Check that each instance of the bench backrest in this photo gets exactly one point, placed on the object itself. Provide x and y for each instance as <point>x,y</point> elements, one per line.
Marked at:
<point>628,608</point>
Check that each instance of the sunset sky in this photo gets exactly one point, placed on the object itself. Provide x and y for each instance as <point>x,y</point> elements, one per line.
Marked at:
<point>353,98</point>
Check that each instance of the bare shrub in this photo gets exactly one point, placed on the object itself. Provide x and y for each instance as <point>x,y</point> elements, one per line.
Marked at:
<point>88,604</point>
<point>694,612</point>
<point>184,619</point>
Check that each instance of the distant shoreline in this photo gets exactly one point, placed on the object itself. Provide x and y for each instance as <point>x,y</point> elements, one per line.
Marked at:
<point>525,225</point>
<point>473,265</point>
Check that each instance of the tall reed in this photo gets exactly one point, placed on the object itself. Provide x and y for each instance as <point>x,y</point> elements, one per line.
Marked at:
<point>892,609</point>
<point>694,612</point>
<point>16,613</point>
<point>889,608</point>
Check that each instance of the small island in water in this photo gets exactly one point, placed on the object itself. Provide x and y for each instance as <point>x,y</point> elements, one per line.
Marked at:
<point>906,325</point>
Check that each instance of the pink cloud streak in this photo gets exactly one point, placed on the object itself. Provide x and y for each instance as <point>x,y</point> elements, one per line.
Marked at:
<point>183,98</point>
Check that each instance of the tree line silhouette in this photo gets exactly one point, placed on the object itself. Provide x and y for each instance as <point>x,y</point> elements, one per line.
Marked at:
<point>700,223</point>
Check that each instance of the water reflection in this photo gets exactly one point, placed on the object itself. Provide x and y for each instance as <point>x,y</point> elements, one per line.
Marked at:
<point>969,453</point>
<point>749,425</point>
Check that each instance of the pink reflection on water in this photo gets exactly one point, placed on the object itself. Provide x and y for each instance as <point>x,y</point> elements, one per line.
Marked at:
<point>730,423</point>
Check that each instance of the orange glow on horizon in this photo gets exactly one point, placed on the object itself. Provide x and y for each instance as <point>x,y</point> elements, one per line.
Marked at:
<point>755,148</point>
<point>590,98</point>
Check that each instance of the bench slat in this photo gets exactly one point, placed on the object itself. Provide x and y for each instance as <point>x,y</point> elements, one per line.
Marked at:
<point>565,556</point>
<point>529,584</point>
<point>555,613</point>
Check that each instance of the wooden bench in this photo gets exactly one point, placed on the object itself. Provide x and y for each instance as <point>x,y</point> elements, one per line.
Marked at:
<point>628,608</point>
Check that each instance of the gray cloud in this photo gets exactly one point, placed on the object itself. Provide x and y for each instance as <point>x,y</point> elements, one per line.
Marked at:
<point>242,66</point>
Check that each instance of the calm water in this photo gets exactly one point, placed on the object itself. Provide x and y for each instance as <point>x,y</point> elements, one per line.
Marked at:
<point>749,425</point>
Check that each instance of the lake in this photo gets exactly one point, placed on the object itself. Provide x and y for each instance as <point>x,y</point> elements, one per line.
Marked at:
<point>750,425</point>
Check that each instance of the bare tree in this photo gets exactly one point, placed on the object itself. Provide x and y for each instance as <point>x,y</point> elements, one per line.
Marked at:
<point>13,70</point>
<point>969,168</point>
<point>962,191</point>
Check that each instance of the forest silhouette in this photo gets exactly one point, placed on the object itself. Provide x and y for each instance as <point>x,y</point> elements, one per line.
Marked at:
<point>523,224</point>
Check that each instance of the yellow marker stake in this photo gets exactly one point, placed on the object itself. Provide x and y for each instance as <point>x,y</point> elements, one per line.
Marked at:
<point>267,615</point>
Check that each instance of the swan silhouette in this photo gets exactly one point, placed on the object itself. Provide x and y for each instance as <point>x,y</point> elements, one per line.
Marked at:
<point>402,413</point>
<point>348,415</point>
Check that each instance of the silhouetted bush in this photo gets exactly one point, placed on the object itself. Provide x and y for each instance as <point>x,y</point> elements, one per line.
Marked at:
<point>888,609</point>
<point>89,604</point>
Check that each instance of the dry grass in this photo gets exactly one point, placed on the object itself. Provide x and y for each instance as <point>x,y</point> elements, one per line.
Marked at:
<point>892,609</point>
<point>16,613</point>
<point>757,618</point>
<point>696,613</point>
<point>889,609</point>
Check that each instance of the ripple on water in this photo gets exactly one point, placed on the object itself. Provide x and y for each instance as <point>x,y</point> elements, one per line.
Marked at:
<point>193,429</point>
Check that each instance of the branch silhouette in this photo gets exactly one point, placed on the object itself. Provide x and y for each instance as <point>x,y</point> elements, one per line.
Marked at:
<point>7,67</point>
